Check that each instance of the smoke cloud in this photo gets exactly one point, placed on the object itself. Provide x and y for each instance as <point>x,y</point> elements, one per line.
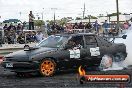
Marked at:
<point>128,43</point>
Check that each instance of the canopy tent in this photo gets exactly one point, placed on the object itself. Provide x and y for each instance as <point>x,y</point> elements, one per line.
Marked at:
<point>11,21</point>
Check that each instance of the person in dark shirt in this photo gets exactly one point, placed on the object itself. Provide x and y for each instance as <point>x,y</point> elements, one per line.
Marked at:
<point>5,27</point>
<point>31,21</point>
<point>106,26</point>
<point>11,34</point>
<point>19,28</point>
<point>75,26</point>
<point>81,26</point>
<point>96,26</point>
<point>11,27</point>
<point>88,27</point>
<point>21,39</point>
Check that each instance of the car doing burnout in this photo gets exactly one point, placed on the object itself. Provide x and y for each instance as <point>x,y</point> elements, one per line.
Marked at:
<point>63,52</point>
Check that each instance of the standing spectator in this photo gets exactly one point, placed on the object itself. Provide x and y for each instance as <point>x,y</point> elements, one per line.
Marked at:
<point>113,25</point>
<point>69,27</point>
<point>88,27</point>
<point>48,28</point>
<point>33,37</point>
<point>53,27</point>
<point>61,29</point>
<point>11,36</point>
<point>1,26</point>
<point>24,25</point>
<point>19,28</point>
<point>106,26</point>
<point>125,26</point>
<point>1,40</point>
<point>31,21</point>
<point>39,36</point>
<point>96,26</point>
<point>130,24</point>
<point>75,26</point>
<point>58,28</point>
<point>5,33</point>
<point>28,37</point>
<point>21,39</point>
<point>81,26</point>
<point>11,27</point>
<point>5,27</point>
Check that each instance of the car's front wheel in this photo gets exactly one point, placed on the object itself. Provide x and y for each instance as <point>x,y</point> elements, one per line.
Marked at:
<point>47,67</point>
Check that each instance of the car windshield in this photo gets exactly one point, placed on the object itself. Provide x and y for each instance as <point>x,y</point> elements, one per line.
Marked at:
<point>53,41</point>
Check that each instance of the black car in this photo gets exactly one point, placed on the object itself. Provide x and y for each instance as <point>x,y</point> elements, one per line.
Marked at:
<point>64,51</point>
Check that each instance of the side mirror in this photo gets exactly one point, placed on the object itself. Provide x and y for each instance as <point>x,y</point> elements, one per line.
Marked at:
<point>124,36</point>
<point>26,48</point>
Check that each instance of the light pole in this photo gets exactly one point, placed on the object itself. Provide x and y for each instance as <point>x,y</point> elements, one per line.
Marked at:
<point>38,16</point>
<point>84,11</point>
<point>89,16</point>
<point>117,8</point>
<point>107,16</point>
<point>42,14</point>
<point>54,14</point>
<point>131,17</point>
<point>20,14</point>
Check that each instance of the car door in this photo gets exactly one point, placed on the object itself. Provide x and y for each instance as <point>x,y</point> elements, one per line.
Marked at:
<point>74,54</point>
<point>92,49</point>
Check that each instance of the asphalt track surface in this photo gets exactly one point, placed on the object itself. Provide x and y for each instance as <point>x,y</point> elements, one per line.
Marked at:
<point>67,79</point>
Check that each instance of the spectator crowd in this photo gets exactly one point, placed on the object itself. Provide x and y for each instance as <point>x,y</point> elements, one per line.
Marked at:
<point>16,34</point>
<point>97,28</point>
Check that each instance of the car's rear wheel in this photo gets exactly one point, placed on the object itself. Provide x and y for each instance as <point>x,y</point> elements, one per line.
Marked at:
<point>47,67</point>
<point>106,62</point>
<point>119,57</point>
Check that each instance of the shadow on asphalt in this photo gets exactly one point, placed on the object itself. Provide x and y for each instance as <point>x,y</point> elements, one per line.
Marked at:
<point>12,75</point>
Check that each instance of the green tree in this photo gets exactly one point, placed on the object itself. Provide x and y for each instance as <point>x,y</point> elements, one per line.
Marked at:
<point>93,17</point>
<point>63,21</point>
<point>113,14</point>
<point>38,23</point>
<point>78,18</point>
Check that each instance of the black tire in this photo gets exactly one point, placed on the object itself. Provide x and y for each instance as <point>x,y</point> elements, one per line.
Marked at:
<point>119,57</point>
<point>47,67</point>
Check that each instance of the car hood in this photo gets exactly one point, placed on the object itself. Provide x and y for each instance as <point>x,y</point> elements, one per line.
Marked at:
<point>22,55</point>
<point>40,50</point>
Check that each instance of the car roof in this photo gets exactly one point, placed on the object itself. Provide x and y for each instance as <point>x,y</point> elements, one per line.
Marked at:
<point>74,34</point>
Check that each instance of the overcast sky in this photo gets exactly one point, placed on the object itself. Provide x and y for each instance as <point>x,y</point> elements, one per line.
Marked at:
<point>63,8</point>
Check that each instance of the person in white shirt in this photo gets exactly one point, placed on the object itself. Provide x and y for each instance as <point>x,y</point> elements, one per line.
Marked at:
<point>39,36</point>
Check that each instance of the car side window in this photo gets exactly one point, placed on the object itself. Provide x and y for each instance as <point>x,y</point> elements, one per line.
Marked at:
<point>76,41</point>
<point>90,41</point>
